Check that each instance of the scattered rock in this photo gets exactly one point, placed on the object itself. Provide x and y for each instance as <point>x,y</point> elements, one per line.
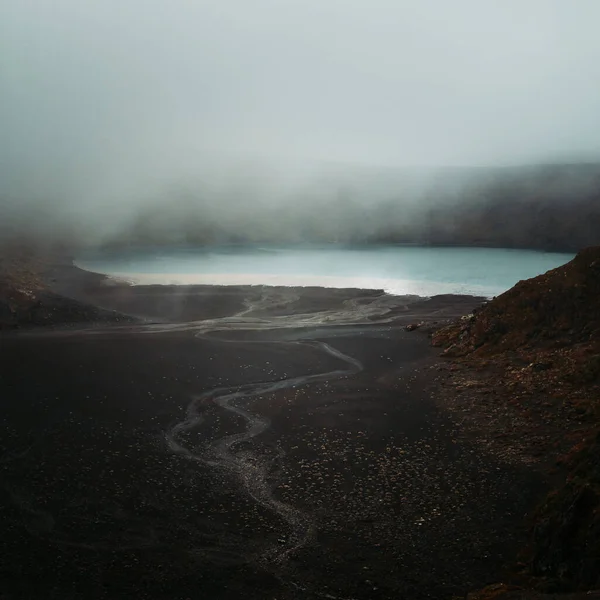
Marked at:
<point>540,366</point>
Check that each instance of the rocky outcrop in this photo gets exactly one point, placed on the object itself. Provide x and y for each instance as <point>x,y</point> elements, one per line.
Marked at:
<point>566,535</point>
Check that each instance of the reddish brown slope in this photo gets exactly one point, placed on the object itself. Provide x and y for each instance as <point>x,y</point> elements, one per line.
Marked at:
<point>532,355</point>
<point>558,308</point>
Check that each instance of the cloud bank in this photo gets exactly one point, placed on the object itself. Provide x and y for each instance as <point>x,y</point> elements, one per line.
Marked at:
<point>238,106</point>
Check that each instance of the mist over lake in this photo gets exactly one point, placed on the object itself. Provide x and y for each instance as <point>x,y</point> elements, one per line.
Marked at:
<point>396,269</point>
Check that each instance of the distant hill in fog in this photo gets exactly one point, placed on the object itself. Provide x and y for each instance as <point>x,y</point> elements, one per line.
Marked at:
<point>550,207</point>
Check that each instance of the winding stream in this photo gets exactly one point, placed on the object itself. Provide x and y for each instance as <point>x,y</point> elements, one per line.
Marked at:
<point>252,470</point>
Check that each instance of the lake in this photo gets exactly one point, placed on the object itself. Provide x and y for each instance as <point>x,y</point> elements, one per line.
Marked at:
<point>397,269</point>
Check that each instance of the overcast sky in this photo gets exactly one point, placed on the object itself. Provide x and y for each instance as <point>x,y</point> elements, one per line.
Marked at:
<point>124,90</point>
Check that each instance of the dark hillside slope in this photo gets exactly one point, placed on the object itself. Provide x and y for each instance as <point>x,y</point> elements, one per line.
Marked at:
<point>26,300</point>
<point>557,308</point>
<point>537,348</point>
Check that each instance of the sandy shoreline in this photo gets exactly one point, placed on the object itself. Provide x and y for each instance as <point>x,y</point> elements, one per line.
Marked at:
<point>182,303</point>
<point>287,448</point>
<point>393,287</point>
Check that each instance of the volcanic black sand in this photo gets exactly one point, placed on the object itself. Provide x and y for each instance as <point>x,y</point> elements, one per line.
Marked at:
<point>262,443</point>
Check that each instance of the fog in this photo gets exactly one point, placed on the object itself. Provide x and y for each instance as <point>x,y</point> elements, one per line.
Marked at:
<point>275,119</point>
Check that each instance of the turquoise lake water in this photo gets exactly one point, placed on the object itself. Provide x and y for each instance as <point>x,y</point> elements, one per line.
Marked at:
<point>397,269</point>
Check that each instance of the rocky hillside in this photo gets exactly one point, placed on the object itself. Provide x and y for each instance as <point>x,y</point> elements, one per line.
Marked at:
<point>26,301</point>
<point>557,309</point>
<point>20,282</point>
<point>535,352</point>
